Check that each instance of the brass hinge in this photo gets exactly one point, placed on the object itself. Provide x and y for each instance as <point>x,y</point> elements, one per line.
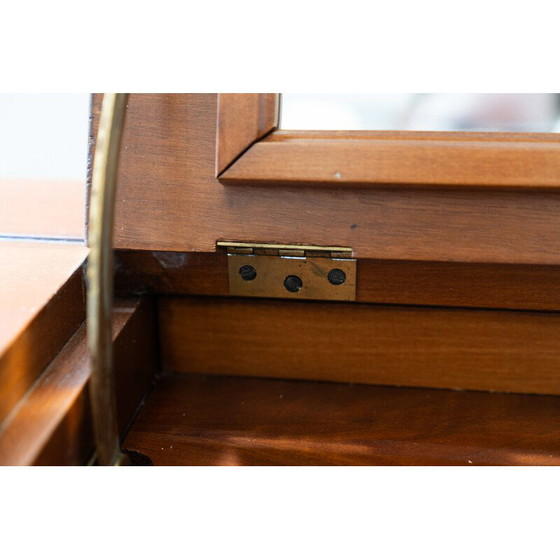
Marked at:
<point>290,271</point>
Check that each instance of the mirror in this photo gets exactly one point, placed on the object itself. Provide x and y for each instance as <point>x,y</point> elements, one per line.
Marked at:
<point>485,112</point>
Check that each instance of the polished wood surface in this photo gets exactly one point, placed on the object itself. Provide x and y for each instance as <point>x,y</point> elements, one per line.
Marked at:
<point>169,199</point>
<point>41,305</point>
<point>362,343</point>
<point>52,424</point>
<point>243,118</point>
<point>42,208</point>
<point>366,159</point>
<point>498,286</point>
<point>217,420</point>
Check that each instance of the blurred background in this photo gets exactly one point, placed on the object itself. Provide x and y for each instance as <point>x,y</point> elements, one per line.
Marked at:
<point>44,135</point>
<point>43,165</point>
<point>491,112</point>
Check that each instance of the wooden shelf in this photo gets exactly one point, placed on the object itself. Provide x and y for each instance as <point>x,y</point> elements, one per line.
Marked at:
<point>219,420</point>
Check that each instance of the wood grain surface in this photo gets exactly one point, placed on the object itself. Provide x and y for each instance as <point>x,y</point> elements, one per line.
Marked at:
<point>218,420</point>
<point>498,286</point>
<point>52,424</point>
<point>243,118</point>
<point>168,199</point>
<point>42,303</point>
<point>362,343</point>
<point>367,159</point>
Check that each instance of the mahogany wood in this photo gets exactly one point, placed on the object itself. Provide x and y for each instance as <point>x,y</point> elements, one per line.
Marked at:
<point>52,424</point>
<point>243,118</point>
<point>498,286</point>
<point>362,343</point>
<point>41,305</point>
<point>367,159</point>
<point>170,200</point>
<point>217,420</point>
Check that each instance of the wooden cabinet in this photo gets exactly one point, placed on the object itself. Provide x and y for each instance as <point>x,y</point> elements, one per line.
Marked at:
<point>448,355</point>
<point>465,222</point>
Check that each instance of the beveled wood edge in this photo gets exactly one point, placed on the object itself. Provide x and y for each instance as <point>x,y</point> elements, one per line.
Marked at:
<point>243,118</point>
<point>58,401</point>
<point>393,158</point>
<point>34,346</point>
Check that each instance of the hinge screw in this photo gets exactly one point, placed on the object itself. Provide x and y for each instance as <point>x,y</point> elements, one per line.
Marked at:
<point>336,277</point>
<point>247,272</point>
<point>293,283</point>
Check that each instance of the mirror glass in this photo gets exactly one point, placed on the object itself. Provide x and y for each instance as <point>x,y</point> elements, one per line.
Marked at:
<point>486,112</point>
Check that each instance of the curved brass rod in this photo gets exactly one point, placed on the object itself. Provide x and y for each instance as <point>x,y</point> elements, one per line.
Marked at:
<point>100,279</point>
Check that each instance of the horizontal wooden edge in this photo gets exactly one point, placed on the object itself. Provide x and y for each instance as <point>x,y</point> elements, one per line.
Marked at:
<point>360,160</point>
<point>243,245</point>
<point>283,135</point>
<point>494,286</point>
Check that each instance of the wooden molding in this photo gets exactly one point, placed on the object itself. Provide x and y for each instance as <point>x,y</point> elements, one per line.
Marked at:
<point>369,159</point>
<point>169,199</point>
<point>242,120</point>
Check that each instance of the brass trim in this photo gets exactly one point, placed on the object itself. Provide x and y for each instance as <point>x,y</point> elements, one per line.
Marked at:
<point>100,279</point>
<point>237,245</point>
<point>273,271</point>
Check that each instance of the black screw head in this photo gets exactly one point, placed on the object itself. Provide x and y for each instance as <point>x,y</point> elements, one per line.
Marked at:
<point>293,283</point>
<point>336,276</point>
<point>247,272</point>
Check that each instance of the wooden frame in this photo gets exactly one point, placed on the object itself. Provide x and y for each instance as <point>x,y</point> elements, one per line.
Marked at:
<point>367,159</point>
<point>170,198</point>
<point>244,119</point>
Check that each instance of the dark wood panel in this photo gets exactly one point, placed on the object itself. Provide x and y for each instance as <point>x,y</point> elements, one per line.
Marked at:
<point>408,158</point>
<point>167,272</point>
<point>217,420</point>
<point>169,199</point>
<point>243,118</point>
<point>52,424</point>
<point>42,303</point>
<point>362,343</point>
<point>395,282</point>
<point>498,286</point>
